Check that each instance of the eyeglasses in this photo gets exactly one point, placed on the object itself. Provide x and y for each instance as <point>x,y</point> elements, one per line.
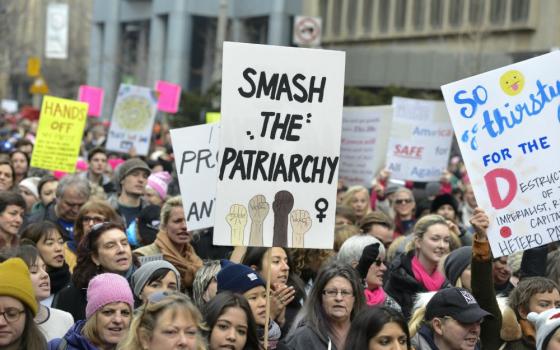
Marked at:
<point>95,219</point>
<point>11,314</point>
<point>333,293</point>
<point>403,201</point>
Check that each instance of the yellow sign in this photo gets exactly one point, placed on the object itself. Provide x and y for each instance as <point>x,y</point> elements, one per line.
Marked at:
<point>60,132</point>
<point>39,87</point>
<point>213,117</point>
<point>33,66</point>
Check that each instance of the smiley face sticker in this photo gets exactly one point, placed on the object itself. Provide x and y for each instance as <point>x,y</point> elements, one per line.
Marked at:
<point>512,82</point>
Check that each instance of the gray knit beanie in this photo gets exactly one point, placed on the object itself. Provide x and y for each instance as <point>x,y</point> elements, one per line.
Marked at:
<point>457,261</point>
<point>141,276</point>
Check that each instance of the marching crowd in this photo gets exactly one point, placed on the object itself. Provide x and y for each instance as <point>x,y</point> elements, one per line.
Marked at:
<point>103,259</point>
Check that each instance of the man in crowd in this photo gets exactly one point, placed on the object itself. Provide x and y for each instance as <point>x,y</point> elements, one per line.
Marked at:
<point>97,162</point>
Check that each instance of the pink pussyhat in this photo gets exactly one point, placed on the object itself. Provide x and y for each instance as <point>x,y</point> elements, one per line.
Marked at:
<point>115,162</point>
<point>81,165</point>
<point>159,182</point>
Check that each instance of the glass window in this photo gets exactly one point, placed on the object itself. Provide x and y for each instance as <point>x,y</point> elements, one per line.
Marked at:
<point>456,10</point>
<point>476,11</point>
<point>383,16</point>
<point>323,11</point>
<point>400,14</point>
<point>418,14</point>
<point>337,10</point>
<point>351,16</point>
<point>436,13</point>
<point>498,11</point>
<point>367,15</point>
<point>520,10</point>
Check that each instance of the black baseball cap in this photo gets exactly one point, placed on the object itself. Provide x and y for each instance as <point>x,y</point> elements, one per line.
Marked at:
<point>457,303</point>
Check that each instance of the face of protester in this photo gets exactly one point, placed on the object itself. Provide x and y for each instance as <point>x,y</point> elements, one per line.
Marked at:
<point>19,162</point>
<point>10,332</point>
<point>91,218</point>
<point>176,227</point>
<point>360,203</point>
<point>167,283</point>
<point>257,300</point>
<point>342,220</point>
<point>279,268</point>
<point>456,335</point>
<point>175,329</point>
<point>390,337</point>
<point>466,278</point>
<point>434,243</point>
<point>469,197</point>
<point>374,277</point>
<point>338,308</point>
<point>11,219</point>
<point>382,233</point>
<point>28,196</point>
<point>48,192</point>
<point>40,279</point>
<point>210,291</point>
<point>501,271</point>
<point>113,251</point>
<point>153,197</point>
<point>51,249</point>
<point>403,204</point>
<point>135,182</point>
<point>98,163</point>
<point>69,205</point>
<point>6,177</point>
<point>540,302</point>
<point>230,330</point>
<point>447,212</point>
<point>113,321</point>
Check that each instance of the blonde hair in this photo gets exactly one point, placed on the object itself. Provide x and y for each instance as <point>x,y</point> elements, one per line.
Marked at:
<point>145,321</point>
<point>348,197</point>
<point>90,331</point>
<point>169,204</point>
<point>342,233</point>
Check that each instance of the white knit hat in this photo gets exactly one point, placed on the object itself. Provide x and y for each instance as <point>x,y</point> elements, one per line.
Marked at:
<point>546,323</point>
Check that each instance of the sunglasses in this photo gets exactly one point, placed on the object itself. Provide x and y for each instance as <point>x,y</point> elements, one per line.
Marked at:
<point>378,262</point>
<point>403,201</point>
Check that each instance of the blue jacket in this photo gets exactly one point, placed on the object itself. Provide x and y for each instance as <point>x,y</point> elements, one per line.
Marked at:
<point>74,339</point>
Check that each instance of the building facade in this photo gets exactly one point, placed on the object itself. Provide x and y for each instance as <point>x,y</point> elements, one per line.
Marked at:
<point>141,41</point>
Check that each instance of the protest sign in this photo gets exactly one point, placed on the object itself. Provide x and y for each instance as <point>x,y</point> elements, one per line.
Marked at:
<point>169,96</point>
<point>133,119</point>
<point>59,135</point>
<point>10,106</point>
<point>279,146</point>
<point>213,117</point>
<point>363,146</point>
<point>420,140</point>
<point>196,156</point>
<point>508,128</point>
<point>93,96</point>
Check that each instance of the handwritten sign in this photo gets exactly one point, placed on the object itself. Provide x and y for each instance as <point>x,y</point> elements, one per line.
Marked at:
<point>59,135</point>
<point>93,96</point>
<point>169,96</point>
<point>364,143</point>
<point>196,156</point>
<point>133,119</point>
<point>507,124</point>
<point>420,140</point>
<point>279,146</point>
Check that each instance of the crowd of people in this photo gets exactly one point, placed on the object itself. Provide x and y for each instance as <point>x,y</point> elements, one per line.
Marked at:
<point>103,259</point>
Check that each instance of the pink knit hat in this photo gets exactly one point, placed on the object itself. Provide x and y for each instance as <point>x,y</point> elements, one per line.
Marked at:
<point>159,182</point>
<point>107,288</point>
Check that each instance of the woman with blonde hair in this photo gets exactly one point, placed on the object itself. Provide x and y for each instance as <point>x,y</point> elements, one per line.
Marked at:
<point>166,322</point>
<point>357,197</point>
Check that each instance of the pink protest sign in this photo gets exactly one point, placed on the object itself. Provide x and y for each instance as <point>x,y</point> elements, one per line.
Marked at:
<point>169,96</point>
<point>93,96</point>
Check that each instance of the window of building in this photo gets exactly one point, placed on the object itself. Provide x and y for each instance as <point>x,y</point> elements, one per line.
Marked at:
<point>351,16</point>
<point>418,14</point>
<point>498,12</point>
<point>456,10</point>
<point>400,14</point>
<point>436,13</point>
<point>476,11</point>
<point>337,10</point>
<point>323,11</point>
<point>520,10</point>
<point>367,15</point>
<point>383,14</point>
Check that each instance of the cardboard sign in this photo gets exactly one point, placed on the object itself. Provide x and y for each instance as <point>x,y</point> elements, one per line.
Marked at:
<point>365,133</point>
<point>59,135</point>
<point>93,96</point>
<point>133,119</point>
<point>169,96</point>
<point>279,146</point>
<point>196,157</point>
<point>420,140</point>
<point>508,128</point>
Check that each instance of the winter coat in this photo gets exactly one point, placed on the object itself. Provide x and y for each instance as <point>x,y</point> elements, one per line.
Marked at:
<point>74,340</point>
<point>306,338</point>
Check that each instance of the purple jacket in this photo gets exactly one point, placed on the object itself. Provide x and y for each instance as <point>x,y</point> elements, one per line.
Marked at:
<point>74,339</point>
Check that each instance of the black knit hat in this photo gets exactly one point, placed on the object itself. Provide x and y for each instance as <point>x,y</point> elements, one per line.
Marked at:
<point>457,261</point>
<point>237,278</point>
<point>369,255</point>
<point>443,199</point>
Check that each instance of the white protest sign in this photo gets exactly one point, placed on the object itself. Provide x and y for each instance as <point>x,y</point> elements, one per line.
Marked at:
<point>420,140</point>
<point>133,119</point>
<point>10,106</point>
<point>363,147</point>
<point>195,149</point>
<point>507,123</point>
<point>56,41</point>
<point>279,146</point>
